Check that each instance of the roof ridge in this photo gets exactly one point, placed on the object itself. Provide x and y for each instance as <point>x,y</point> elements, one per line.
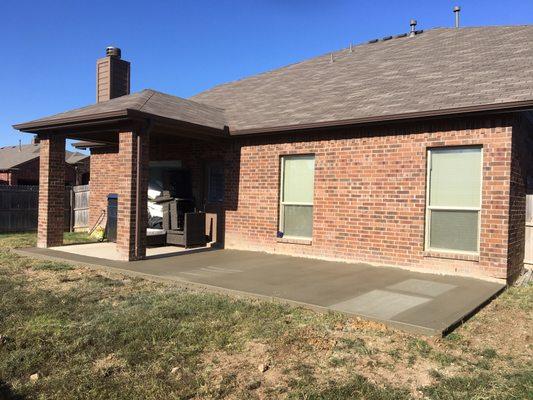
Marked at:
<point>152,92</point>
<point>344,49</point>
<point>183,98</point>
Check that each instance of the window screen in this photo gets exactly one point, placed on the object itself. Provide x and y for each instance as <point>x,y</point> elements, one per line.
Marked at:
<point>296,208</point>
<point>454,204</point>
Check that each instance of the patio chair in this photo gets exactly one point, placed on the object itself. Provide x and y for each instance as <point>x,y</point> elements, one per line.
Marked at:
<point>183,226</point>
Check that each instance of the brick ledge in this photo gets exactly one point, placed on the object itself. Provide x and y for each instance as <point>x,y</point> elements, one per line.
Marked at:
<point>451,256</point>
<point>295,241</point>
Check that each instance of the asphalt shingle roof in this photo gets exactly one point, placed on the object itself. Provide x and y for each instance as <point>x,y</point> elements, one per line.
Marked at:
<point>151,102</point>
<point>436,71</point>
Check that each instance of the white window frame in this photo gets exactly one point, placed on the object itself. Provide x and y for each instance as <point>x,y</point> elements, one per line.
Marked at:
<point>283,203</point>
<point>430,208</point>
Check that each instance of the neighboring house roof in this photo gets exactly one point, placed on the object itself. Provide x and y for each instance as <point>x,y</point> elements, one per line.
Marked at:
<point>74,157</point>
<point>14,156</point>
<point>438,72</point>
<point>149,102</point>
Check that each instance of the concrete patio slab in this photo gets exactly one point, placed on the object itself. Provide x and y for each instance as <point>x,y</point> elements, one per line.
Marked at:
<point>417,302</point>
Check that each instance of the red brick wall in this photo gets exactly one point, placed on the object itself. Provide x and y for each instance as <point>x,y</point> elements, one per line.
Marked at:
<point>126,190</point>
<point>107,170</point>
<point>521,168</point>
<point>113,170</point>
<point>370,192</point>
<point>51,191</point>
<point>105,175</point>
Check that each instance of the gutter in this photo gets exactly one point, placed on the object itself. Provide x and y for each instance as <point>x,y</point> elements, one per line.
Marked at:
<point>65,122</point>
<point>459,111</point>
<point>136,115</point>
<point>127,114</point>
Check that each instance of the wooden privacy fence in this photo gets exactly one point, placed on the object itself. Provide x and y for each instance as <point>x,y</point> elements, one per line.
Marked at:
<point>79,207</point>
<point>19,207</point>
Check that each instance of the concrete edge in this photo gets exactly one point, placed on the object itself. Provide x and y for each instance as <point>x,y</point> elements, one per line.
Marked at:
<point>460,321</point>
<point>406,327</point>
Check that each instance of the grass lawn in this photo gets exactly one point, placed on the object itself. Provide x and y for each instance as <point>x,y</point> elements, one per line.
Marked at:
<point>67,332</point>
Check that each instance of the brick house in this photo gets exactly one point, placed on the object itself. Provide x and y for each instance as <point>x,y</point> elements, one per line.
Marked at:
<point>19,165</point>
<point>412,151</point>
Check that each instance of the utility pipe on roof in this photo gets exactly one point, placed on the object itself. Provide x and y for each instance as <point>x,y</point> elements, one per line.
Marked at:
<point>456,11</point>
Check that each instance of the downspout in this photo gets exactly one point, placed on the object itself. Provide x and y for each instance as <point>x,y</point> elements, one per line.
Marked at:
<point>138,232</point>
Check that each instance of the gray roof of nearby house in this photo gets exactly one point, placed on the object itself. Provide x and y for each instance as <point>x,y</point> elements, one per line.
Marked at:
<point>438,72</point>
<point>14,156</point>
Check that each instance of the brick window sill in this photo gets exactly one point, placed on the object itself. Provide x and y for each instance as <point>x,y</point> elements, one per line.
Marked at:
<point>295,241</point>
<point>451,256</point>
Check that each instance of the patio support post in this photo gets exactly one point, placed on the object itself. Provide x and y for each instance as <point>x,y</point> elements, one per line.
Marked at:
<point>131,243</point>
<point>51,191</point>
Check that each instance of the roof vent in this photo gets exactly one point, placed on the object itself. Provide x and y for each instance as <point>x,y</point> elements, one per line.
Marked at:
<point>112,51</point>
<point>412,24</point>
<point>457,11</point>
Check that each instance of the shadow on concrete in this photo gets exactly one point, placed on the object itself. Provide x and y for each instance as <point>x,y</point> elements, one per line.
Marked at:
<point>184,253</point>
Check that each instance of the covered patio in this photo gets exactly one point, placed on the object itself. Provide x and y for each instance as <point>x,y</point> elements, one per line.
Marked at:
<point>126,134</point>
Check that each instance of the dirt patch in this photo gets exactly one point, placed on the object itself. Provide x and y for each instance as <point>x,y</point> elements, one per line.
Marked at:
<point>108,365</point>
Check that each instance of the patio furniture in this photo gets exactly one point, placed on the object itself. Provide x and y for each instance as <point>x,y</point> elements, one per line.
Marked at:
<point>156,237</point>
<point>193,233</point>
<point>183,226</point>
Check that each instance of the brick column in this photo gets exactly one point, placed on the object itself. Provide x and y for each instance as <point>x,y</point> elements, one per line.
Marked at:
<point>51,191</point>
<point>126,190</point>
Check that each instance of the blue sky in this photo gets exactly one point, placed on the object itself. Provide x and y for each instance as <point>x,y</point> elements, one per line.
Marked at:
<point>49,48</point>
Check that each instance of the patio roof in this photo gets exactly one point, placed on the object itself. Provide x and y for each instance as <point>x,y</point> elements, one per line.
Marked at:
<point>147,103</point>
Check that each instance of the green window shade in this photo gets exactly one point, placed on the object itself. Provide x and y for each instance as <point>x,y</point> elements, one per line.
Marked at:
<point>298,179</point>
<point>298,221</point>
<point>455,177</point>
<point>454,230</point>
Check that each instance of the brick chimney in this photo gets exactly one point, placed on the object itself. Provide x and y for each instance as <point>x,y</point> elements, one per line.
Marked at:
<point>112,76</point>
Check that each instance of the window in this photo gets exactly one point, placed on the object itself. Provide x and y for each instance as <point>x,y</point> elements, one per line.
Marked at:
<point>296,197</point>
<point>454,199</point>
<point>215,183</point>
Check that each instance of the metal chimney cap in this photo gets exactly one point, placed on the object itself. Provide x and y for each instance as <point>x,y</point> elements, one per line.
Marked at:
<point>456,9</point>
<point>112,51</point>
<point>413,22</point>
